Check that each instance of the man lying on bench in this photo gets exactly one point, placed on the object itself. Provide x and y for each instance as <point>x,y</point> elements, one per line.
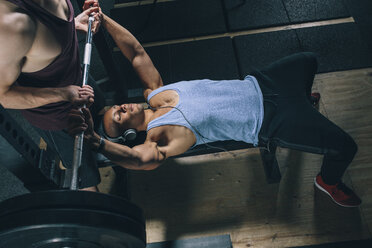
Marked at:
<point>272,105</point>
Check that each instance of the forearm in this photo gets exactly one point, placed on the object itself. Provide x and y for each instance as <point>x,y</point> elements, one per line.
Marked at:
<point>18,97</point>
<point>125,41</point>
<point>136,54</point>
<point>118,154</point>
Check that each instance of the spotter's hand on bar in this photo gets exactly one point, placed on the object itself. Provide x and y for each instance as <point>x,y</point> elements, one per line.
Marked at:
<point>79,96</point>
<point>80,120</point>
<point>91,8</point>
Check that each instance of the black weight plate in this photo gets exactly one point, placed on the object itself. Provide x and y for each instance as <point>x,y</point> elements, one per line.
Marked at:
<point>70,228</point>
<point>74,200</point>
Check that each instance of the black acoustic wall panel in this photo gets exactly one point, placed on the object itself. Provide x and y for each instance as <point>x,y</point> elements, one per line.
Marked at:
<point>212,59</point>
<point>251,14</point>
<point>361,10</point>
<point>315,10</point>
<point>339,47</point>
<point>125,1</point>
<point>171,20</point>
<point>258,50</point>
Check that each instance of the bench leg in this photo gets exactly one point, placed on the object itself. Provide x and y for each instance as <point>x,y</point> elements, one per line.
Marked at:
<point>270,164</point>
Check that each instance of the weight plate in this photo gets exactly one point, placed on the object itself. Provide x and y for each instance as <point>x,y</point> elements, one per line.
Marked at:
<point>71,219</point>
<point>70,228</point>
<point>72,199</point>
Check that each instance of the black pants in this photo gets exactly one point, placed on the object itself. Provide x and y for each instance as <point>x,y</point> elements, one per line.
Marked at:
<point>291,121</point>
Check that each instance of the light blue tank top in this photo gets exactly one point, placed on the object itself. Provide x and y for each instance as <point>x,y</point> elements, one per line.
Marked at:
<point>216,110</point>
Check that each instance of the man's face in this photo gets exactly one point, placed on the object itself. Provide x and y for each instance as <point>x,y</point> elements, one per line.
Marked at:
<point>121,117</point>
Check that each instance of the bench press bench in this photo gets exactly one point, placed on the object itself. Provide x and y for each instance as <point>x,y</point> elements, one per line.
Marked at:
<point>268,156</point>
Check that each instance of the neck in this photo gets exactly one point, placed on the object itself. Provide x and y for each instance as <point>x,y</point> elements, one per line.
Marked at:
<point>148,117</point>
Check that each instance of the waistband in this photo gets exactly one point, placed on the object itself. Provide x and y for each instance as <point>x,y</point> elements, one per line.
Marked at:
<point>270,95</point>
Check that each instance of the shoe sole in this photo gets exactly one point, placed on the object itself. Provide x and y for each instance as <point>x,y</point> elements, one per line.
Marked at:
<point>325,191</point>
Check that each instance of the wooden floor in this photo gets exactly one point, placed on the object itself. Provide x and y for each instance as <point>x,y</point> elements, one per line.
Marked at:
<point>224,194</point>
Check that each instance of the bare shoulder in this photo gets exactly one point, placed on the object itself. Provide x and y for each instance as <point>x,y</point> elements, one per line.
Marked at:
<point>17,35</point>
<point>16,28</point>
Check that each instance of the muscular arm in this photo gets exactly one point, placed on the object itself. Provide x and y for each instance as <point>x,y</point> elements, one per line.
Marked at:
<point>136,54</point>
<point>141,157</point>
<point>17,34</point>
<point>147,156</point>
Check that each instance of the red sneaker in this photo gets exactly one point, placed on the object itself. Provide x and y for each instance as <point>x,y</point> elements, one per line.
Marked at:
<point>315,98</point>
<point>340,193</point>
